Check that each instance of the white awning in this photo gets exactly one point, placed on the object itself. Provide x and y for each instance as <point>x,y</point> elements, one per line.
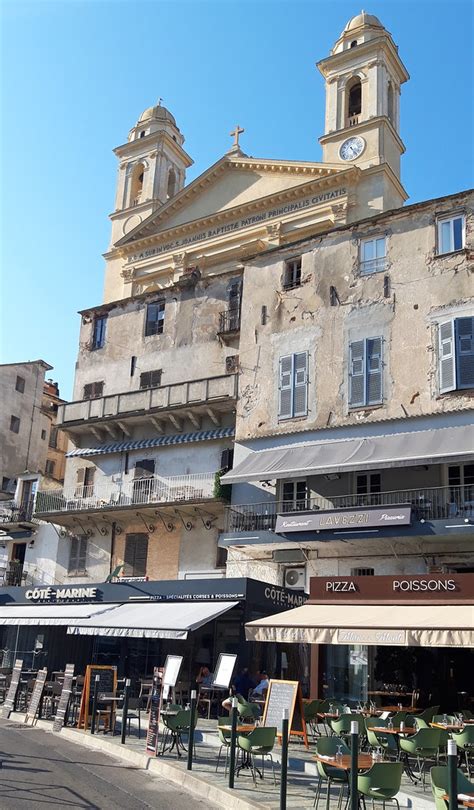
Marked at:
<point>402,625</point>
<point>50,614</point>
<point>151,619</point>
<point>435,446</point>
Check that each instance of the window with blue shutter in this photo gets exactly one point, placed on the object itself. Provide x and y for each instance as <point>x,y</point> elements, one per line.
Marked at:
<point>456,354</point>
<point>365,372</point>
<point>293,386</point>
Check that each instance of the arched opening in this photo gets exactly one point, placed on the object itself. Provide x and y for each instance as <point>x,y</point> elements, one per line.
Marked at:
<point>390,102</point>
<point>137,184</point>
<point>171,189</point>
<point>354,101</point>
<point>353,43</point>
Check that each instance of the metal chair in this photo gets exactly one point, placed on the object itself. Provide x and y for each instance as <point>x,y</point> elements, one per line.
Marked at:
<point>422,746</point>
<point>259,742</point>
<point>329,746</point>
<point>439,779</point>
<point>224,739</point>
<point>381,782</point>
<point>465,743</point>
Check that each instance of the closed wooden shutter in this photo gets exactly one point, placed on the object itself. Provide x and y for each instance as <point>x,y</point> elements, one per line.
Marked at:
<point>374,370</point>
<point>447,366</point>
<point>80,475</point>
<point>81,553</point>
<point>135,555</point>
<point>357,373</point>
<point>300,397</point>
<point>465,352</point>
<point>285,405</point>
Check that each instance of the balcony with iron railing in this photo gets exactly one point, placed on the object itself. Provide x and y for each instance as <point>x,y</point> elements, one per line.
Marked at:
<point>111,495</point>
<point>229,321</point>
<point>16,514</point>
<point>436,503</point>
<point>218,393</point>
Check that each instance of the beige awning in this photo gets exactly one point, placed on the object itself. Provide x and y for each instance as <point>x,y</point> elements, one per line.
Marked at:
<point>403,625</point>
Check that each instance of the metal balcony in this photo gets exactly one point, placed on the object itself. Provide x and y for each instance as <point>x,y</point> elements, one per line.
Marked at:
<point>215,394</point>
<point>436,503</point>
<point>115,496</point>
<point>229,321</point>
<point>13,514</point>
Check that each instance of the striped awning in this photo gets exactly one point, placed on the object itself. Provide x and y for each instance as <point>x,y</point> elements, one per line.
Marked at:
<point>158,441</point>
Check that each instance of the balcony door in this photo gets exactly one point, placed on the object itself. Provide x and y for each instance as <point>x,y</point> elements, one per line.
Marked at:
<point>368,489</point>
<point>461,490</point>
<point>294,495</point>
<point>144,481</point>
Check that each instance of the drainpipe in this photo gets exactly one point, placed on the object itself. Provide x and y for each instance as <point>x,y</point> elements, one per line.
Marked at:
<point>112,546</point>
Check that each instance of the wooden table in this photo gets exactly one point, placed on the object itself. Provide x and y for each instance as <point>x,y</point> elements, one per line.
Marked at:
<point>242,729</point>
<point>448,726</point>
<point>364,761</point>
<point>394,730</point>
<point>406,709</point>
<point>465,802</point>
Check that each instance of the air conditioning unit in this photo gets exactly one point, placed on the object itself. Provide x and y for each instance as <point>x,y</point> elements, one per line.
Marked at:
<point>295,578</point>
<point>232,364</point>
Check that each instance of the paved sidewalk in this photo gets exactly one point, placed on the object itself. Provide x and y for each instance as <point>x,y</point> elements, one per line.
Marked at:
<point>205,782</point>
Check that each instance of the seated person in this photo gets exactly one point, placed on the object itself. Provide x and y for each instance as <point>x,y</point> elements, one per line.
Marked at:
<point>204,677</point>
<point>241,686</point>
<point>261,689</point>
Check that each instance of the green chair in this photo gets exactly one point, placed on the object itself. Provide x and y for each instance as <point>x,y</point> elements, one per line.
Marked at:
<point>224,739</point>
<point>428,714</point>
<point>377,739</point>
<point>465,743</point>
<point>342,726</point>
<point>398,717</point>
<point>328,746</point>
<point>248,711</point>
<point>310,715</point>
<point>175,726</point>
<point>259,742</point>
<point>422,746</point>
<point>440,785</point>
<point>381,782</point>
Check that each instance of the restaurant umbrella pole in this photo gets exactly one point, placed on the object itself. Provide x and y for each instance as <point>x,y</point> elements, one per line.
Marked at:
<point>233,736</point>
<point>94,703</point>
<point>452,775</point>
<point>354,757</point>
<point>191,729</point>
<point>126,693</point>
<point>284,759</point>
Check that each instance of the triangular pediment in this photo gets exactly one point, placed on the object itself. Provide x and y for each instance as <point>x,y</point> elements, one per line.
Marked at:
<point>232,183</point>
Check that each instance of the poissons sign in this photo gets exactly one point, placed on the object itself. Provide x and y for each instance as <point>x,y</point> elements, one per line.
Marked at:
<point>343,519</point>
<point>60,594</point>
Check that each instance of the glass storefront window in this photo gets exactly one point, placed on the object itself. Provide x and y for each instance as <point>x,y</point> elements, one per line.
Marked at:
<point>346,672</point>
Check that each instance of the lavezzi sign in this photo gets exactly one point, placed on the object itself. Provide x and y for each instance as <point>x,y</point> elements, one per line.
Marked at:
<point>346,519</point>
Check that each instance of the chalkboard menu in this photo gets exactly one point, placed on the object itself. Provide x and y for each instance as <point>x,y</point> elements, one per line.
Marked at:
<point>60,717</point>
<point>283,695</point>
<point>36,696</point>
<point>107,683</point>
<point>154,717</point>
<point>9,703</point>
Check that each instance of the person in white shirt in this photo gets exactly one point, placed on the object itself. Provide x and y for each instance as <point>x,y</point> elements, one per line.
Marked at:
<point>261,688</point>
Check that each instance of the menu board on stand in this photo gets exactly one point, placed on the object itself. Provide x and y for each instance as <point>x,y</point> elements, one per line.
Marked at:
<point>285,695</point>
<point>168,682</point>
<point>154,715</point>
<point>60,718</point>
<point>224,670</point>
<point>107,684</point>
<point>36,696</point>
<point>10,700</point>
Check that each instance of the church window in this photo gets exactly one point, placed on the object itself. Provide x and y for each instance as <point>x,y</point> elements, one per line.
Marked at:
<point>390,102</point>
<point>373,255</point>
<point>171,190</point>
<point>137,183</point>
<point>292,274</point>
<point>155,318</point>
<point>451,233</point>
<point>354,99</point>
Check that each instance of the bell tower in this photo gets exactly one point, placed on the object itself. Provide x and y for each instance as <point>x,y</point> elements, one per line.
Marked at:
<point>363,76</point>
<point>152,169</point>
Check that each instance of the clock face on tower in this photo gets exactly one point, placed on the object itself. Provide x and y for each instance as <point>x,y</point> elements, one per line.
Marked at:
<point>352,148</point>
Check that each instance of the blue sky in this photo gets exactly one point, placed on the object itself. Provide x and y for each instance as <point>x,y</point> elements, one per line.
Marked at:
<point>76,75</point>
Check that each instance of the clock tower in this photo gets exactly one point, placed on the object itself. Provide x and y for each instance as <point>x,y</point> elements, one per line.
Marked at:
<point>363,76</point>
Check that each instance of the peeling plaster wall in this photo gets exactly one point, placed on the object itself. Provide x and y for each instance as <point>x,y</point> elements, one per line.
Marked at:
<point>422,288</point>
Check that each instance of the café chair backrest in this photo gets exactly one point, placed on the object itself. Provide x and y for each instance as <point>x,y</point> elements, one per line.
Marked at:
<point>381,781</point>
<point>440,781</point>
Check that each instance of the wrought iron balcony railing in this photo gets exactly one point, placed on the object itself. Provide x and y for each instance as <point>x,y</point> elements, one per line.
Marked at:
<point>436,503</point>
<point>229,321</point>
<point>109,495</point>
<point>12,512</point>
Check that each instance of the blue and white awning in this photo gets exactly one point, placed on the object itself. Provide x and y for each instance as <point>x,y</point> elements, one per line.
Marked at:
<point>158,441</point>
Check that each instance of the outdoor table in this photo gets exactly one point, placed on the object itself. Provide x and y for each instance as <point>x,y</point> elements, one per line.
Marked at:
<point>406,709</point>
<point>364,761</point>
<point>396,731</point>
<point>448,726</point>
<point>111,700</point>
<point>245,763</point>
<point>465,802</point>
<point>176,735</point>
